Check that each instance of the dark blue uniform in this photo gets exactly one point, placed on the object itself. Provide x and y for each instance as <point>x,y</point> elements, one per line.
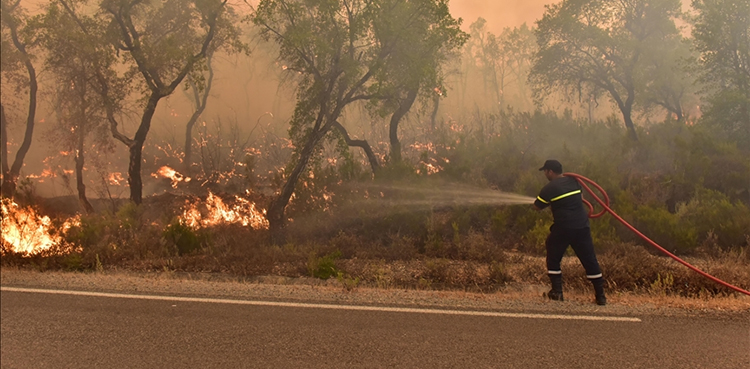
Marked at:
<point>570,228</point>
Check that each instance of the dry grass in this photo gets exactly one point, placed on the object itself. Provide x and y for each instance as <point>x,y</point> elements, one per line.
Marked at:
<point>437,259</point>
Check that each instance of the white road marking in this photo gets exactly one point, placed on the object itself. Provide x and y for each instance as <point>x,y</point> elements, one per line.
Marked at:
<point>325,306</point>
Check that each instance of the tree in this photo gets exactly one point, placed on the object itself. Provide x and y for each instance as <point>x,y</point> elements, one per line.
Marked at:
<point>162,42</point>
<point>590,45</point>
<point>722,37</point>
<point>671,81</point>
<point>340,50</point>
<point>200,98</point>
<point>502,62</point>
<point>200,79</point>
<point>415,67</point>
<point>75,51</point>
<point>517,47</point>
<point>485,50</point>
<point>16,57</point>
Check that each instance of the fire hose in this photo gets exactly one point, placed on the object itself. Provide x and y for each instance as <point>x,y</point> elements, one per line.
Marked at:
<point>606,209</point>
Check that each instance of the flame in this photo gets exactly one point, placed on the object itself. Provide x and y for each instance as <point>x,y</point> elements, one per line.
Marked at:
<point>27,232</point>
<point>175,176</point>
<point>242,212</point>
<point>115,178</point>
<point>432,169</point>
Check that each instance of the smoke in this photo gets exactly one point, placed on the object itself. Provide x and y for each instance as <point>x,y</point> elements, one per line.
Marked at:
<point>499,14</point>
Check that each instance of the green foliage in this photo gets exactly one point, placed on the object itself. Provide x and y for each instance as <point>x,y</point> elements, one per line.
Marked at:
<point>535,238</point>
<point>347,282</point>
<point>130,216</point>
<point>712,212</point>
<point>707,214</point>
<point>589,47</point>
<point>324,267</point>
<point>184,238</point>
<point>25,191</point>
<point>105,238</point>
<point>664,228</point>
<point>721,33</point>
<point>662,285</point>
<point>344,52</point>
<point>73,262</point>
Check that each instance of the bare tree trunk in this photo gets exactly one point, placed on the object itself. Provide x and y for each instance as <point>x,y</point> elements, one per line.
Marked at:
<point>200,106</point>
<point>499,86</point>
<point>403,108</point>
<point>136,150</point>
<point>3,146</point>
<point>276,217</point>
<point>79,175</point>
<point>9,181</point>
<point>626,114</point>
<point>81,132</point>
<point>626,108</point>
<point>678,112</point>
<point>360,143</point>
<point>435,107</point>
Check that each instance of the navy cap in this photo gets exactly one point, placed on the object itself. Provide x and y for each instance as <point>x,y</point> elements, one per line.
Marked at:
<point>552,165</point>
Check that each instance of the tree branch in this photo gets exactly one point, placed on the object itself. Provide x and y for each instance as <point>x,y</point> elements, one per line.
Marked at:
<point>359,143</point>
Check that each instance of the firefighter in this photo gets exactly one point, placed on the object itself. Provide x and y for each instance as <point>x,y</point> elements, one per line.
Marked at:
<point>570,228</point>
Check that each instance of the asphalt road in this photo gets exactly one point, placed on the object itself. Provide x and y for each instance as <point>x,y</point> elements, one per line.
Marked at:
<point>65,331</point>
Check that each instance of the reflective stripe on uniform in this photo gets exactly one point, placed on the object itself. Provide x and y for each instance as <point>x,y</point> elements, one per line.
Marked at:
<point>554,272</point>
<point>566,195</point>
<point>595,276</point>
<point>542,200</point>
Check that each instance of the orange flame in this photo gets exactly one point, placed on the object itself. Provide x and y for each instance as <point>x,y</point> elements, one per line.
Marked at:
<point>115,179</point>
<point>27,232</point>
<point>173,175</point>
<point>243,212</point>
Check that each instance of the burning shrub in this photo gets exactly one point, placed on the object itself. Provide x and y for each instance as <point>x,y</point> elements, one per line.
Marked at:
<point>217,212</point>
<point>26,232</point>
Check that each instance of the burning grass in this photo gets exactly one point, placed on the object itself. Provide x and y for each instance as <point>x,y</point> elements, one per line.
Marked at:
<point>214,211</point>
<point>26,232</point>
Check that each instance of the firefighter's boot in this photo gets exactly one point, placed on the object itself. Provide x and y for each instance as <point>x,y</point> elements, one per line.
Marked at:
<point>556,292</point>
<point>598,283</point>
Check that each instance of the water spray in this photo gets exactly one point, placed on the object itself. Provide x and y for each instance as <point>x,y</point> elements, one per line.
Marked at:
<point>443,195</point>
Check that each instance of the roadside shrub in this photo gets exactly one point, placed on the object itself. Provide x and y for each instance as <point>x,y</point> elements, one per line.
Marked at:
<point>707,213</point>
<point>437,270</point>
<point>323,267</point>
<point>499,274</point>
<point>710,211</point>
<point>535,238</point>
<point>665,228</point>
<point>182,237</point>
<point>124,235</point>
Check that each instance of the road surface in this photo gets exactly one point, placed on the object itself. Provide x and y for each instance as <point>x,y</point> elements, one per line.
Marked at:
<point>43,330</point>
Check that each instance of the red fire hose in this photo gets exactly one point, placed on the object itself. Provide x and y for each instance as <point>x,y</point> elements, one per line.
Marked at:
<point>605,205</point>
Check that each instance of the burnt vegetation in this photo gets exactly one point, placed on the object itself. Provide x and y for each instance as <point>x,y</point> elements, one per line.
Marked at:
<point>288,138</point>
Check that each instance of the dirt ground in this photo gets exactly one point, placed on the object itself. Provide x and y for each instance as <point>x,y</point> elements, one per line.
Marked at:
<point>514,297</point>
